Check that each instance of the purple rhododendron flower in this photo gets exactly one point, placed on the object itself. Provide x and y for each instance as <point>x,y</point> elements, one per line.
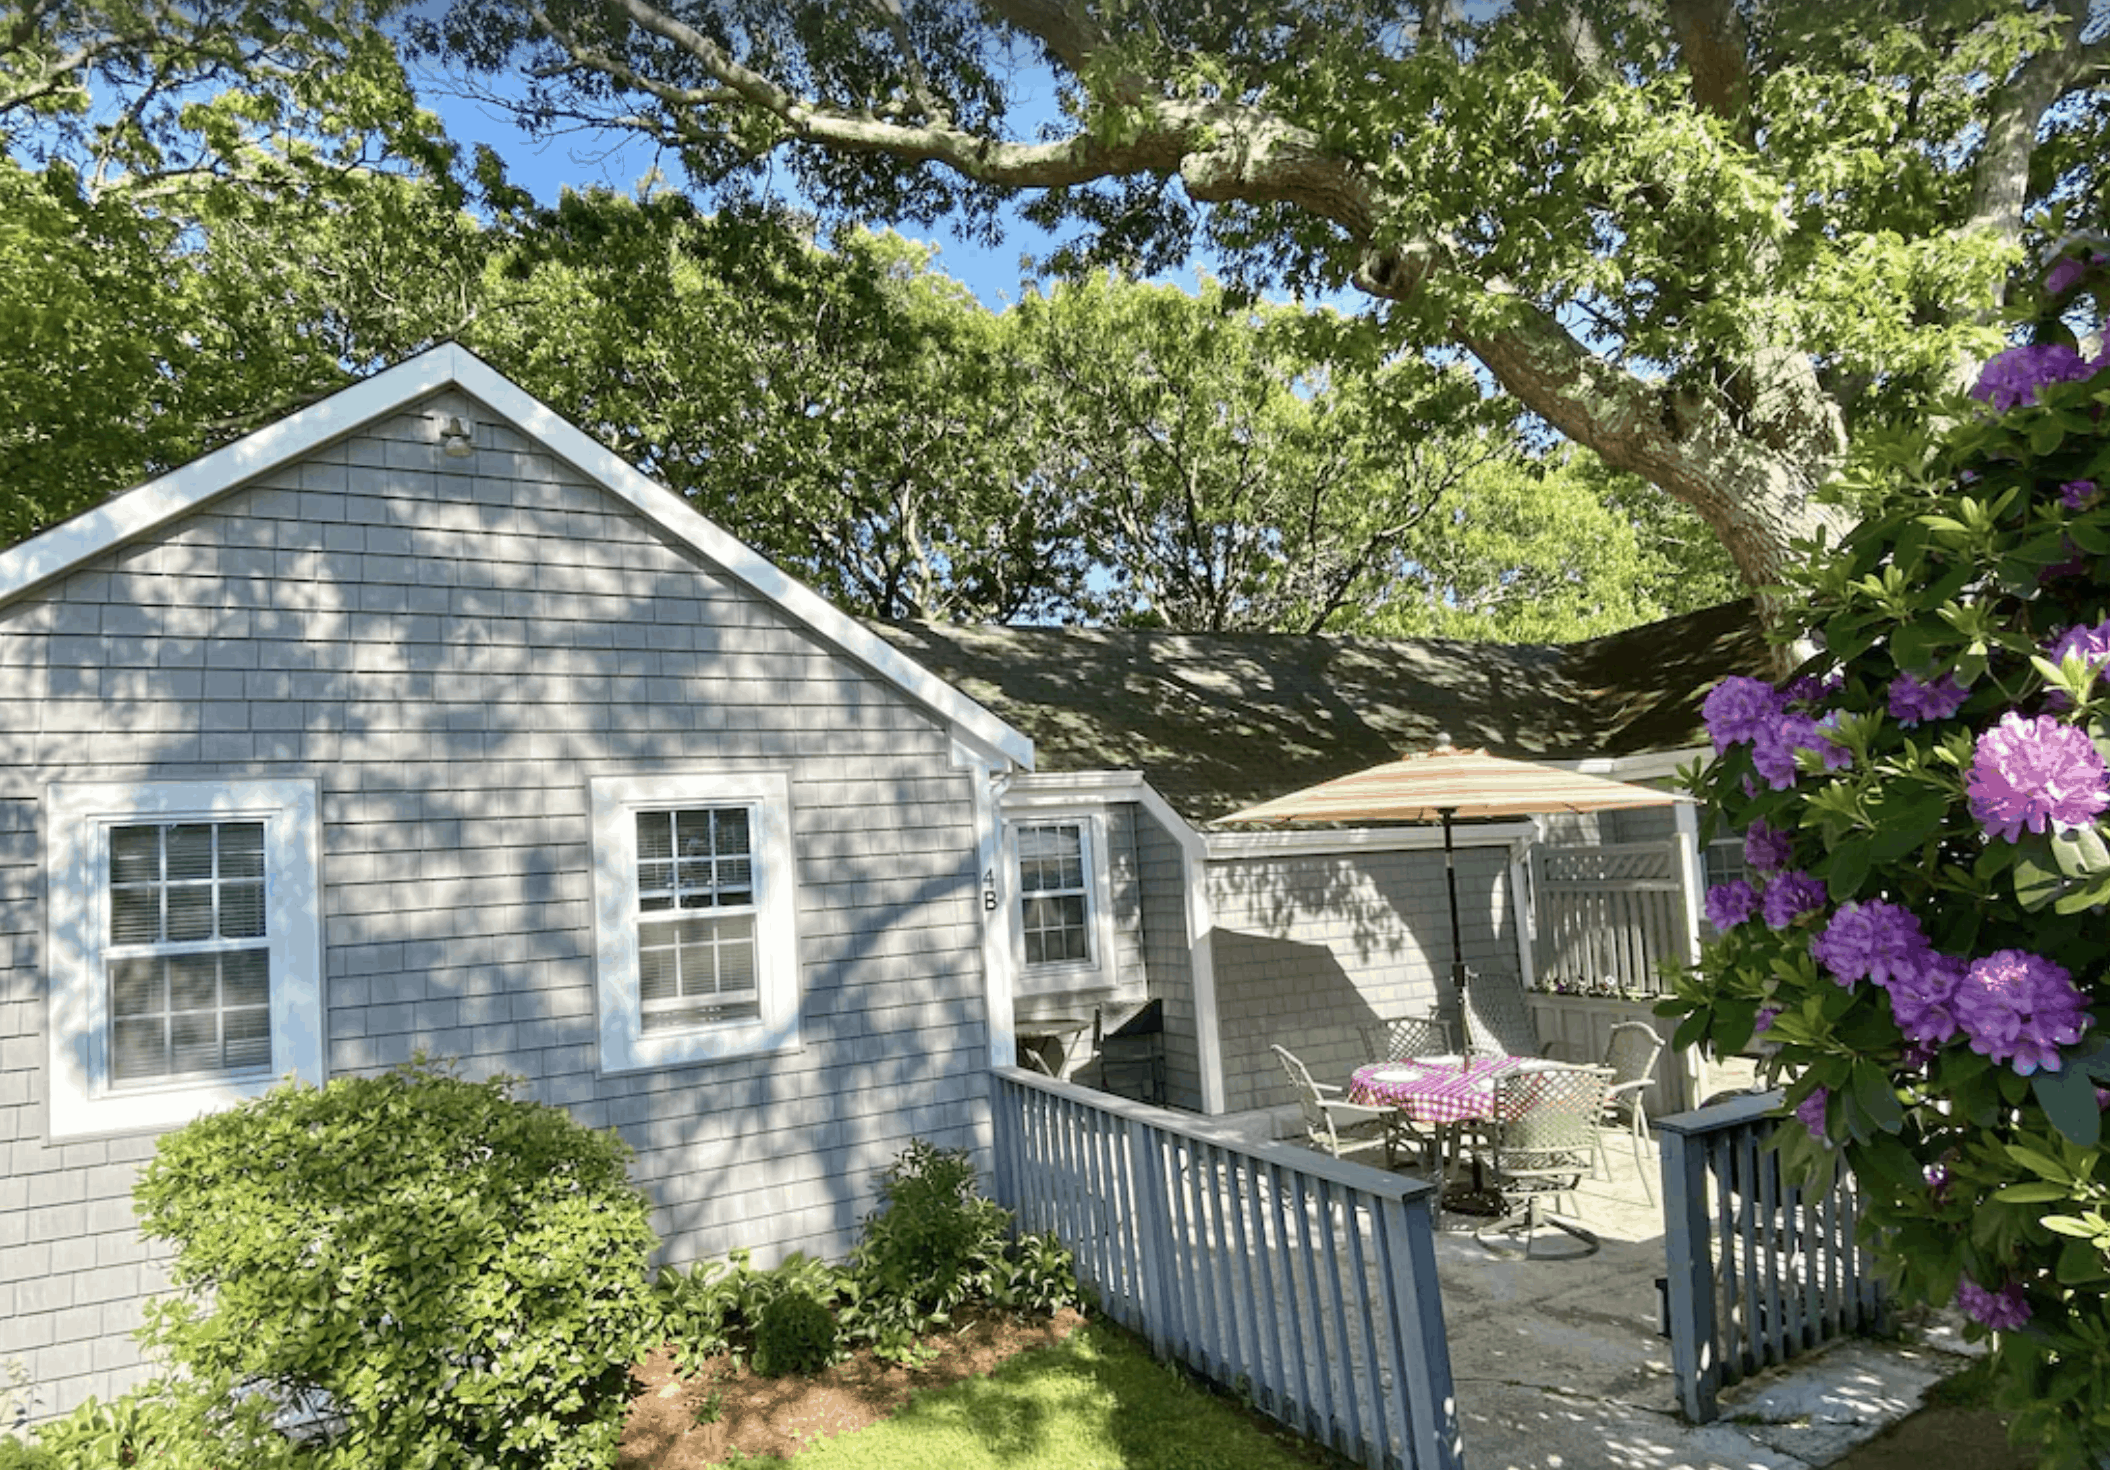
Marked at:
<point>1763,1021</point>
<point>1767,849</point>
<point>1811,690</point>
<point>1811,1111</point>
<point>2078,494</point>
<point>1912,701</point>
<point>2030,771</point>
<point>2091,643</point>
<point>1875,941</point>
<point>2066,272</point>
<point>1790,896</point>
<point>1773,751</point>
<point>2002,1310</point>
<point>2020,1007</point>
<point>1737,709</point>
<point>1920,1002</point>
<point>2011,380</point>
<point>1730,904</point>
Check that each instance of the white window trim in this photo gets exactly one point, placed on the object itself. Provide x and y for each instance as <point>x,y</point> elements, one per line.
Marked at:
<point>1095,971</point>
<point>614,801</point>
<point>79,817</point>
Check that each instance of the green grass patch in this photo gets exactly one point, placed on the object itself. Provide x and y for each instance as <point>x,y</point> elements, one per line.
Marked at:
<point>1096,1401</point>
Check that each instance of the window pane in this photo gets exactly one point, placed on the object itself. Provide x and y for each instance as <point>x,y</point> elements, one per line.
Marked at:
<point>190,913</point>
<point>1050,858</point>
<point>138,1049</point>
<point>245,979</point>
<point>189,853</point>
<point>1055,930</point>
<point>658,977</point>
<point>135,855</point>
<point>248,1038</point>
<point>655,835</point>
<point>194,982</point>
<point>194,1043</point>
<point>241,850</point>
<point>241,910</point>
<point>135,988</point>
<point>135,915</point>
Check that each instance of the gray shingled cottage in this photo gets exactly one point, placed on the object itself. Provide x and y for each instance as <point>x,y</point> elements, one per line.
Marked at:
<point>418,720</point>
<point>1247,938</point>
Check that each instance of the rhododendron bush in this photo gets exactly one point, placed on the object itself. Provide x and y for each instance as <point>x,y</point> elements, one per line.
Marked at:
<point>1924,929</point>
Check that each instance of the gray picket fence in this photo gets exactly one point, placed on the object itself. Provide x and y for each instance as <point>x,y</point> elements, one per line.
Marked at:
<point>1607,916</point>
<point>1760,1272</point>
<point>1304,1283</point>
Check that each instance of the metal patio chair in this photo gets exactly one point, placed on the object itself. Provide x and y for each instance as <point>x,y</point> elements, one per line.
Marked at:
<point>1407,1037</point>
<point>1340,1127</point>
<point>1542,1141</point>
<point>1631,1059</point>
<point>1497,1019</point>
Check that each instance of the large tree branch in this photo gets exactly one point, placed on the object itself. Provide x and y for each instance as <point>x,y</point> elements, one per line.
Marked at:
<point>1717,52</point>
<point>2000,180</point>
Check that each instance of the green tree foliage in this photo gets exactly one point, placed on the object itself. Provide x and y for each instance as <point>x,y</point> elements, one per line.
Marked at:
<point>1551,549</point>
<point>452,1276</point>
<point>850,411</point>
<point>1705,240</point>
<point>1237,467</point>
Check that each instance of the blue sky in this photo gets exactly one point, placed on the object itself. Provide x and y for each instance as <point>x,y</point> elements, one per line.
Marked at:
<point>621,162</point>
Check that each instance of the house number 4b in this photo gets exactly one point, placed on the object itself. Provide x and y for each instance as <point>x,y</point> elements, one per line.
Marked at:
<point>989,891</point>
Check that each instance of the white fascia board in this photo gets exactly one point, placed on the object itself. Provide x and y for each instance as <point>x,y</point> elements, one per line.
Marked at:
<point>159,501</point>
<point>1042,789</point>
<point>1365,839</point>
<point>1654,765</point>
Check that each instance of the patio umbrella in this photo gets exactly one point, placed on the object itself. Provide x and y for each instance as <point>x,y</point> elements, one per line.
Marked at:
<point>1446,783</point>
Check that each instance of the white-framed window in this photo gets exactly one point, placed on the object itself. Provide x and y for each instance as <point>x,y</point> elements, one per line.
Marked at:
<point>695,932</point>
<point>1063,907</point>
<point>185,954</point>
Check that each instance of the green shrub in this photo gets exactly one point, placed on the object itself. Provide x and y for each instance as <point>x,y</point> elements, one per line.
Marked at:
<point>930,1244</point>
<point>460,1276</point>
<point>166,1425</point>
<point>796,1334</point>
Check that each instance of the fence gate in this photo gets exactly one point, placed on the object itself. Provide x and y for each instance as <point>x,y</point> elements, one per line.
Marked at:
<point>1760,1272</point>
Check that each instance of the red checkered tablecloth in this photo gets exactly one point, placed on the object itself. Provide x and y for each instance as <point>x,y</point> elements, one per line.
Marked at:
<point>1432,1092</point>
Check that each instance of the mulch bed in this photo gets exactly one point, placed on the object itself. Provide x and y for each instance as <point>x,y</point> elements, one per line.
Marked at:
<point>781,1416</point>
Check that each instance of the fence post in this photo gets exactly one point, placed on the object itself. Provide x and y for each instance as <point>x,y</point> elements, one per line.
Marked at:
<point>1688,1240</point>
<point>1154,1243</point>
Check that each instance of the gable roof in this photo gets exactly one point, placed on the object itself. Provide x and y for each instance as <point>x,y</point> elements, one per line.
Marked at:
<point>155,504</point>
<point>1219,721</point>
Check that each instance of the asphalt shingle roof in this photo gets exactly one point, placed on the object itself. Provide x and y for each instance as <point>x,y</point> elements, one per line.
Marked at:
<point>1217,721</point>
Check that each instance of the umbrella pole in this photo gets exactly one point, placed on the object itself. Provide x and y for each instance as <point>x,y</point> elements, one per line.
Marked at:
<point>1450,880</point>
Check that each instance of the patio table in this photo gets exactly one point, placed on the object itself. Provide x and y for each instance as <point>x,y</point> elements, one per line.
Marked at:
<point>1446,1093</point>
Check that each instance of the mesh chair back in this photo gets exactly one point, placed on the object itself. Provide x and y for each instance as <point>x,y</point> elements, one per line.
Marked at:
<point>1316,1123</point>
<point>1546,1121</point>
<point>1497,1021</point>
<point>1407,1037</point>
<point>1631,1057</point>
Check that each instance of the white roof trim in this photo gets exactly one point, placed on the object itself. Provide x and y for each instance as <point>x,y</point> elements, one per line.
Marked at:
<point>160,501</point>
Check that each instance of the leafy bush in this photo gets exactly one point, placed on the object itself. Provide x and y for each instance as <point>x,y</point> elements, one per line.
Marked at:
<point>930,1243</point>
<point>167,1425</point>
<point>796,1334</point>
<point>933,1246</point>
<point>459,1276</point>
<point>1924,937</point>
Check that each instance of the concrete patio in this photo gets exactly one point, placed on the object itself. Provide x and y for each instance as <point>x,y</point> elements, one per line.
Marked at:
<point>1559,1365</point>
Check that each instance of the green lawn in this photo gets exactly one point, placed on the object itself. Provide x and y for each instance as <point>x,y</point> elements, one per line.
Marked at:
<point>1097,1401</point>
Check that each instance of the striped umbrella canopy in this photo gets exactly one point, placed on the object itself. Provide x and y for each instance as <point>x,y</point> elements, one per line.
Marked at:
<point>1440,784</point>
<point>1446,783</point>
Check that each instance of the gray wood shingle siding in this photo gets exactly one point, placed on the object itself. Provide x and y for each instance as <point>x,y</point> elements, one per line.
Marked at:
<point>1308,948</point>
<point>1169,956</point>
<point>452,648</point>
